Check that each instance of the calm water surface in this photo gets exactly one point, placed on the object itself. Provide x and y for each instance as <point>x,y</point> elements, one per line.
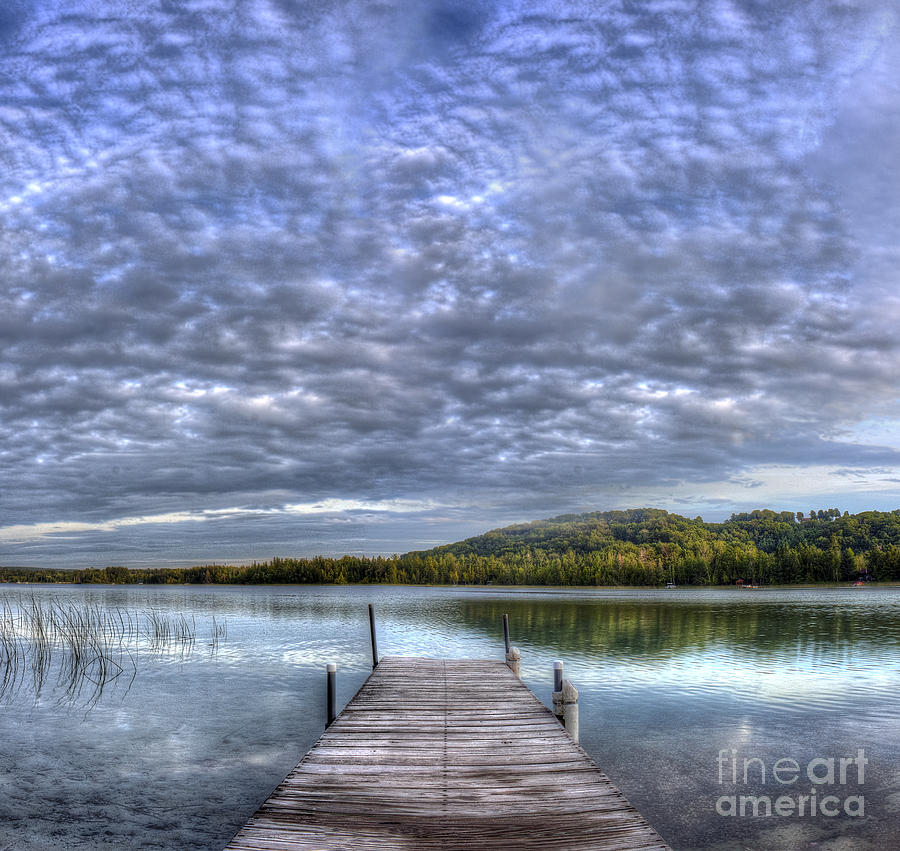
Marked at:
<point>673,685</point>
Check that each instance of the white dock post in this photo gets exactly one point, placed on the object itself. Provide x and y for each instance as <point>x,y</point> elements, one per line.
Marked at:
<point>514,661</point>
<point>570,709</point>
<point>565,701</point>
<point>513,657</point>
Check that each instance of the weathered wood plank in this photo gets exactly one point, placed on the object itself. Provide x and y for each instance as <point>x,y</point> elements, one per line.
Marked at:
<point>445,754</point>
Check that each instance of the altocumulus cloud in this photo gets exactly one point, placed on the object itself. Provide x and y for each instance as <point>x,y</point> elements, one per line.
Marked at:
<point>350,276</point>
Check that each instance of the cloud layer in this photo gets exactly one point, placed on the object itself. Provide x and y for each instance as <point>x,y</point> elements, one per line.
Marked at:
<point>492,260</point>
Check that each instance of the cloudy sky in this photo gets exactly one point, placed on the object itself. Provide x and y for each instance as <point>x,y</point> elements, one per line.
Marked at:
<point>281,277</point>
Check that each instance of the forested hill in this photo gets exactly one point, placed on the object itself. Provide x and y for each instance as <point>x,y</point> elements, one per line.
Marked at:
<point>650,545</point>
<point>766,530</point>
<point>646,546</point>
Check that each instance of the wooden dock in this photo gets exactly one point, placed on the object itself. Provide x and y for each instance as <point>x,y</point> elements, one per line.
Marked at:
<point>445,754</point>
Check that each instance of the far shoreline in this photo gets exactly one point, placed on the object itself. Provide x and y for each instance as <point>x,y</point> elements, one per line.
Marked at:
<point>461,586</point>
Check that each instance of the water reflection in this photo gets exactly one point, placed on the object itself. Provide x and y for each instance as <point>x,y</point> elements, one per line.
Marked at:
<point>656,629</point>
<point>666,679</point>
<point>773,652</point>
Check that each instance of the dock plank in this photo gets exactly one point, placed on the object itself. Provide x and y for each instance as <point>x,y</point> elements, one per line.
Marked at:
<point>445,754</point>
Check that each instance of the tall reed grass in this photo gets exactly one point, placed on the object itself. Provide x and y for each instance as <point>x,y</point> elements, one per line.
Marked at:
<point>79,650</point>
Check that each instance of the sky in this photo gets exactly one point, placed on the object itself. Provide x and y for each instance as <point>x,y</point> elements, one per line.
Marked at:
<point>287,277</point>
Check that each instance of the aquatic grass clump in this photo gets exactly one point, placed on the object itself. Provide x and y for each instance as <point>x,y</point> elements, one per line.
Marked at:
<point>87,646</point>
<point>219,632</point>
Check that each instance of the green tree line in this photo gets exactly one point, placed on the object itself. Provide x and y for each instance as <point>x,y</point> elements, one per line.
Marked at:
<point>645,546</point>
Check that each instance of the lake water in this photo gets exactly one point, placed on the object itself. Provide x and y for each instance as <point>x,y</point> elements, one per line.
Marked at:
<point>677,689</point>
